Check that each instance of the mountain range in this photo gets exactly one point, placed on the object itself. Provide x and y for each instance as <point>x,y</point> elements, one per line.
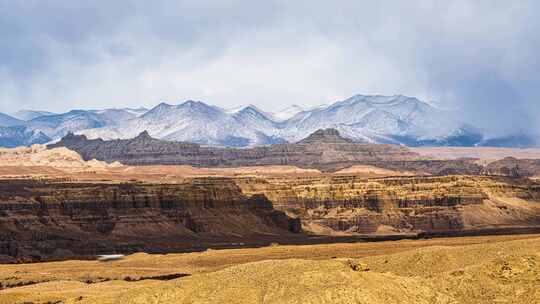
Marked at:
<point>394,119</point>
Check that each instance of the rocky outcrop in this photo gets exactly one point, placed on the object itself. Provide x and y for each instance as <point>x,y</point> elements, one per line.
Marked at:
<point>325,136</point>
<point>514,167</point>
<point>325,150</point>
<point>433,205</point>
<point>40,220</point>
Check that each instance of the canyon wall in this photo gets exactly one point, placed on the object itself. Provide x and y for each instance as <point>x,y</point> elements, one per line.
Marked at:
<point>58,218</point>
<point>41,219</point>
<point>437,205</point>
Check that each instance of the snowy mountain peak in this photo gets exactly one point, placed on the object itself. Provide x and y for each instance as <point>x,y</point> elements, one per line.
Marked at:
<point>248,107</point>
<point>397,119</point>
<point>288,112</point>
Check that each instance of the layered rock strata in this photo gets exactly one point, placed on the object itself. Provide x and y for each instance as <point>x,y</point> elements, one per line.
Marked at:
<point>54,219</point>
<point>43,219</point>
<point>325,150</point>
<point>349,204</point>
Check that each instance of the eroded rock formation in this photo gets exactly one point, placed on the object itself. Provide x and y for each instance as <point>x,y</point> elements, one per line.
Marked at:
<point>324,149</point>
<point>42,219</point>
<point>436,205</point>
<point>56,218</point>
<point>514,167</point>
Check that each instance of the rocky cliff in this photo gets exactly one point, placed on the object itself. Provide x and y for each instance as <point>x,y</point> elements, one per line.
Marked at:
<point>324,150</point>
<point>514,167</point>
<point>39,219</point>
<point>433,205</point>
<point>44,219</point>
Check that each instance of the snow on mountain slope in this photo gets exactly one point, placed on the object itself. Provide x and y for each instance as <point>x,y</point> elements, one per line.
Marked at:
<point>56,126</point>
<point>288,112</point>
<point>375,119</point>
<point>8,121</point>
<point>27,115</point>
<point>20,136</point>
<point>194,121</point>
<point>381,115</point>
<point>116,116</point>
<point>252,118</point>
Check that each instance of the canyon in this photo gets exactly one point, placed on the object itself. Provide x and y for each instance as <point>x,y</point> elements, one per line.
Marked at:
<point>45,218</point>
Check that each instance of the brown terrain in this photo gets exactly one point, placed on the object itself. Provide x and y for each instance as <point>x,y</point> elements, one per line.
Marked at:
<point>324,150</point>
<point>146,195</point>
<point>486,269</point>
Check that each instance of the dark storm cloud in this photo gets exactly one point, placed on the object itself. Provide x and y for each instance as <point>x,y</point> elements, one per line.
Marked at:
<point>479,57</point>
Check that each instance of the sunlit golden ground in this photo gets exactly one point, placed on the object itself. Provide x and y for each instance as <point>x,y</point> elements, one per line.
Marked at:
<point>489,269</point>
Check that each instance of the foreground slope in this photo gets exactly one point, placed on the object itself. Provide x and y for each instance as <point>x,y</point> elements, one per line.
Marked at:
<point>490,271</point>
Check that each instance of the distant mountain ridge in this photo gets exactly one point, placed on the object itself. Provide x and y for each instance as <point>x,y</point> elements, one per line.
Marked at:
<point>324,150</point>
<point>9,121</point>
<point>27,115</point>
<point>394,119</point>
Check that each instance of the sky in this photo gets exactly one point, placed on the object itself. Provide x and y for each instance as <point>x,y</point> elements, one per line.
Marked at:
<point>479,58</point>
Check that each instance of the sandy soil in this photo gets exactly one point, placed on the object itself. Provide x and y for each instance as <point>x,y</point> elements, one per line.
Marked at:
<point>494,269</point>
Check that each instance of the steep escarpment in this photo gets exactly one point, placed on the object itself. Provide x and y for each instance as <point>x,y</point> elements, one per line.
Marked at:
<point>325,150</point>
<point>44,219</point>
<point>349,204</point>
<point>41,219</point>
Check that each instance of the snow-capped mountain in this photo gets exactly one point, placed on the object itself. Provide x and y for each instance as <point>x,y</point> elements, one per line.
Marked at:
<point>387,119</point>
<point>27,115</point>
<point>364,118</point>
<point>288,112</point>
<point>8,121</point>
<point>116,116</point>
<point>20,136</point>
<point>194,121</point>
<point>58,125</point>
<point>255,119</point>
<point>373,118</point>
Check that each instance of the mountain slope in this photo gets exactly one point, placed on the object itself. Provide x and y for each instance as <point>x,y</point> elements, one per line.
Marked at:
<point>372,119</point>
<point>374,115</point>
<point>197,122</point>
<point>394,119</point>
<point>57,125</point>
<point>8,121</point>
<point>20,136</point>
<point>27,115</point>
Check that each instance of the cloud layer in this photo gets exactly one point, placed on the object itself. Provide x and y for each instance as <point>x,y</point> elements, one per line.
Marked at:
<point>479,57</point>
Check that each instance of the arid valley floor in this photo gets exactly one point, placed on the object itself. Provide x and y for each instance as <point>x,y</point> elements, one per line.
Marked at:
<point>492,269</point>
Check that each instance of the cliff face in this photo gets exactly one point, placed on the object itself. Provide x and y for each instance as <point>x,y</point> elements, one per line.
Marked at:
<point>437,205</point>
<point>43,219</point>
<point>53,219</point>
